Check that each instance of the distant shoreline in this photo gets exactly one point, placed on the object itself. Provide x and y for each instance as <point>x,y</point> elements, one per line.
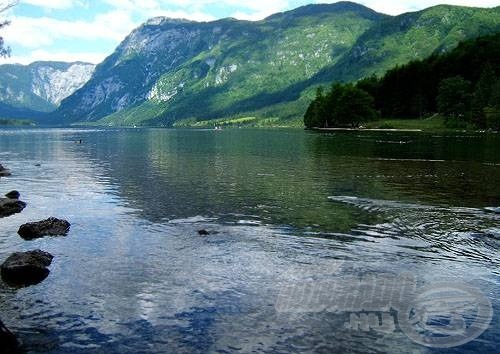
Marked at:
<point>368,129</point>
<point>7,122</point>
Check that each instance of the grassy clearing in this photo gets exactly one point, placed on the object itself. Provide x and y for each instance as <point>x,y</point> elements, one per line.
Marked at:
<point>428,124</point>
<point>240,122</point>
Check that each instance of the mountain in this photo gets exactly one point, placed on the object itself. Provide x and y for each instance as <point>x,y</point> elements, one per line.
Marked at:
<point>169,70</point>
<point>412,36</point>
<point>178,69</point>
<point>460,86</point>
<point>39,87</point>
<point>11,112</point>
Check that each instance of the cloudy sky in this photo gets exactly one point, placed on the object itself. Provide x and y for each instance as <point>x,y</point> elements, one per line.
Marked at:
<point>89,30</point>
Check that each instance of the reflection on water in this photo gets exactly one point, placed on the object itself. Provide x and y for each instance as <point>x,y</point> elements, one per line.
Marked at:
<point>134,276</point>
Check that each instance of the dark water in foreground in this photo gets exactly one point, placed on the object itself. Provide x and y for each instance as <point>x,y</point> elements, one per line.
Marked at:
<point>133,275</point>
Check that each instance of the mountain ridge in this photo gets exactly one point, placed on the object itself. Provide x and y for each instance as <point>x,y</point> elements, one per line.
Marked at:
<point>41,85</point>
<point>168,70</point>
<point>216,41</point>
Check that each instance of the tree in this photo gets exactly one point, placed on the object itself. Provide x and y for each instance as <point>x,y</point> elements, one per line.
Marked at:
<point>344,105</point>
<point>454,97</point>
<point>482,94</point>
<point>355,106</point>
<point>315,115</point>
<point>4,6</point>
<point>492,112</point>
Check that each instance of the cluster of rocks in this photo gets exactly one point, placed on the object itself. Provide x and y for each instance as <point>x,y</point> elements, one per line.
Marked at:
<point>29,268</point>
<point>23,269</point>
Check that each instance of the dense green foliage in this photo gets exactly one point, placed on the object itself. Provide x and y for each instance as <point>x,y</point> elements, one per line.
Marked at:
<point>453,98</point>
<point>461,85</point>
<point>167,71</point>
<point>343,106</point>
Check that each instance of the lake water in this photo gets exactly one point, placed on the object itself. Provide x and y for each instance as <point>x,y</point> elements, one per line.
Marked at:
<point>285,207</point>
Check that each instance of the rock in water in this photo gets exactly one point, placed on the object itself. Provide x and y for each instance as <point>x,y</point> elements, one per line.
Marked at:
<point>48,227</point>
<point>10,207</point>
<point>495,210</point>
<point>203,232</point>
<point>13,195</point>
<point>4,172</point>
<point>26,268</point>
<point>10,344</point>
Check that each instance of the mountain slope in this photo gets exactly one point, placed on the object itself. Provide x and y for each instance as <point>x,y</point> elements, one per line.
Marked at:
<point>11,112</point>
<point>40,86</point>
<point>169,70</point>
<point>398,40</point>
<point>189,69</point>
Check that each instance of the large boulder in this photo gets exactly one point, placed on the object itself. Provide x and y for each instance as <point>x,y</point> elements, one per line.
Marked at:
<point>48,227</point>
<point>13,195</point>
<point>10,344</point>
<point>4,172</point>
<point>10,206</point>
<point>26,268</point>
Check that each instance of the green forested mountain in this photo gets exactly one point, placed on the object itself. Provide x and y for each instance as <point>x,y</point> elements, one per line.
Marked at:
<point>411,36</point>
<point>463,85</point>
<point>170,70</point>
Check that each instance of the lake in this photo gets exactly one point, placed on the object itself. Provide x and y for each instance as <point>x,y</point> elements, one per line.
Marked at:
<point>284,207</point>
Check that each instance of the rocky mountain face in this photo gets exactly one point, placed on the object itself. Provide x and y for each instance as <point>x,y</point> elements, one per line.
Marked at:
<point>169,70</point>
<point>40,86</point>
<point>216,65</point>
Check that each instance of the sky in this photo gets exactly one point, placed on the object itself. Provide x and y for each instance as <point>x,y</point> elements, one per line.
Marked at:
<point>89,30</point>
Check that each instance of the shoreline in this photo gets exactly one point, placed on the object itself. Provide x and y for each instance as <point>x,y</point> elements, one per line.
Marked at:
<point>368,129</point>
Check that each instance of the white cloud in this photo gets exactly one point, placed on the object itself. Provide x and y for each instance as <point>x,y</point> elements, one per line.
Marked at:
<point>258,9</point>
<point>194,16</point>
<point>52,4</point>
<point>44,31</point>
<point>44,55</point>
<point>43,36</point>
<point>197,9</point>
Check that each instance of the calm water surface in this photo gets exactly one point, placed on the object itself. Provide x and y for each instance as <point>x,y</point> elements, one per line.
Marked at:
<point>133,276</point>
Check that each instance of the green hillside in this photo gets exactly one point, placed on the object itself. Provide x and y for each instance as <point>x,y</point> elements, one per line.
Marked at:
<point>461,85</point>
<point>170,70</point>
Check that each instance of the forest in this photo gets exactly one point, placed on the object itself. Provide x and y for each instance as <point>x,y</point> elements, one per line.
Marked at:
<point>463,86</point>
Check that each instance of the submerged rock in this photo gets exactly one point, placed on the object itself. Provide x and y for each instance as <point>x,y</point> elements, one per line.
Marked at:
<point>48,227</point>
<point>4,172</point>
<point>10,344</point>
<point>10,206</point>
<point>26,268</point>
<point>204,232</point>
<point>13,195</point>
